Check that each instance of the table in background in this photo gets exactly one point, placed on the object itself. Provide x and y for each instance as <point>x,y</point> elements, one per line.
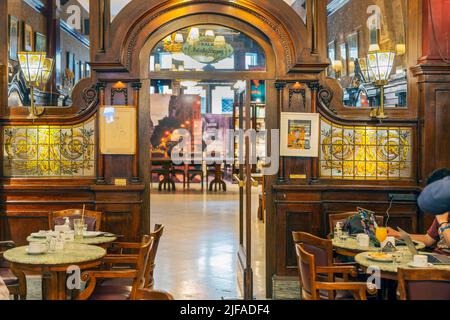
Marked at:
<point>53,266</point>
<point>167,182</point>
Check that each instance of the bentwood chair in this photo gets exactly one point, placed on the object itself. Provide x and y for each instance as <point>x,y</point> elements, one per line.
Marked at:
<point>122,256</point>
<point>15,280</point>
<point>314,289</point>
<point>93,219</point>
<point>95,291</point>
<point>423,284</point>
<point>322,250</point>
<point>147,294</point>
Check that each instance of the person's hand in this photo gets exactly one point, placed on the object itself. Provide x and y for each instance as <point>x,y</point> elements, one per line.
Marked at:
<point>442,218</point>
<point>393,233</point>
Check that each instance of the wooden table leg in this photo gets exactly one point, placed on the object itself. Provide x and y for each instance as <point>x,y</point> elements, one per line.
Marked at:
<point>61,284</point>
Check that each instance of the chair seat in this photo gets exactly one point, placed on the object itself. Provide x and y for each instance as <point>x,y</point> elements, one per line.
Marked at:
<point>8,277</point>
<point>116,282</point>
<point>111,293</point>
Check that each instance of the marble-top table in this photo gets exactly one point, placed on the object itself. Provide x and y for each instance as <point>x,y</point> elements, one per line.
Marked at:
<point>350,247</point>
<point>53,266</point>
<point>100,240</point>
<point>389,269</point>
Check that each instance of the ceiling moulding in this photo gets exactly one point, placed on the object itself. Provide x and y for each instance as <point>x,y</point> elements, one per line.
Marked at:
<point>335,5</point>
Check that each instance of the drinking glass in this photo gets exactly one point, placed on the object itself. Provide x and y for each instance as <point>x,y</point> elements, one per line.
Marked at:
<point>381,234</point>
<point>78,227</point>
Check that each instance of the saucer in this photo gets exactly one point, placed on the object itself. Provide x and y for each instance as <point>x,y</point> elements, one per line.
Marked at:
<point>413,265</point>
<point>37,253</point>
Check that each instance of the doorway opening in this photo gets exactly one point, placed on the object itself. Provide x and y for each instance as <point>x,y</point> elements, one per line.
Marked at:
<point>201,84</point>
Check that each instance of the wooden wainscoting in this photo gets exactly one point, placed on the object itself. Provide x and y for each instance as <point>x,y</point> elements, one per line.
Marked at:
<point>25,205</point>
<point>307,208</point>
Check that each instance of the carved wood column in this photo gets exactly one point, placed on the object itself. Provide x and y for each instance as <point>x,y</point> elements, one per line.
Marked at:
<point>314,25</point>
<point>315,87</point>
<point>100,157</point>
<point>136,87</point>
<point>102,6</point>
<point>280,106</point>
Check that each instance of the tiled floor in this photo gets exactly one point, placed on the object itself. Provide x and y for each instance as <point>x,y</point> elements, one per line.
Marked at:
<point>197,254</point>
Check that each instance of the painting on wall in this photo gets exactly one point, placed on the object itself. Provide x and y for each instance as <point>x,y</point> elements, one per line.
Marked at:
<point>40,41</point>
<point>27,37</point>
<point>299,134</point>
<point>13,37</point>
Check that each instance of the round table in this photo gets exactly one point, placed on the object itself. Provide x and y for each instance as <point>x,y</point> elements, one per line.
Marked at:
<point>389,269</point>
<point>350,247</point>
<point>101,241</point>
<point>53,266</point>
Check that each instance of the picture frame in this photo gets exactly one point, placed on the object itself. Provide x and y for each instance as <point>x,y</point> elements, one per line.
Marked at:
<point>118,131</point>
<point>14,36</point>
<point>299,135</point>
<point>28,38</point>
<point>40,42</point>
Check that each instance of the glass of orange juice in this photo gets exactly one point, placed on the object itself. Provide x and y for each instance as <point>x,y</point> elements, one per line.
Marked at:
<point>381,234</point>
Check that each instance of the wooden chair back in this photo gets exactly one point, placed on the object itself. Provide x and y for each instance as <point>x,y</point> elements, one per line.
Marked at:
<point>94,217</point>
<point>141,265</point>
<point>150,264</point>
<point>423,284</point>
<point>147,294</point>
<point>307,274</point>
<point>322,249</point>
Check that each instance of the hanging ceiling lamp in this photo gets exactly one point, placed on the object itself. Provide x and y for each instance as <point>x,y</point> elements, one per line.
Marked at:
<point>209,48</point>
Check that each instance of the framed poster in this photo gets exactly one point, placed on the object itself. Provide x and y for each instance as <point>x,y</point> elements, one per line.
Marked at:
<point>27,37</point>
<point>40,41</point>
<point>299,135</point>
<point>118,130</point>
<point>13,37</point>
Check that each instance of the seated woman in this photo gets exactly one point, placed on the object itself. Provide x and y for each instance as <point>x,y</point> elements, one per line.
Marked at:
<point>4,292</point>
<point>435,199</point>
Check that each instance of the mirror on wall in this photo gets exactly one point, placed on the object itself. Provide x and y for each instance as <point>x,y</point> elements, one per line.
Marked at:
<point>68,48</point>
<point>357,27</point>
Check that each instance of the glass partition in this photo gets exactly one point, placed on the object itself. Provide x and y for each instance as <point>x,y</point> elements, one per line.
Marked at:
<point>28,32</point>
<point>356,27</point>
<point>207,48</point>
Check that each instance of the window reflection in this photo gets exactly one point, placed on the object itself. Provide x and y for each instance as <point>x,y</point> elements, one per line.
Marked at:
<point>356,27</point>
<point>207,48</point>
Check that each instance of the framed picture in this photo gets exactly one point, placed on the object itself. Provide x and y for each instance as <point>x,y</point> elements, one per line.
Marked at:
<point>27,37</point>
<point>13,37</point>
<point>40,41</point>
<point>118,130</point>
<point>299,135</point>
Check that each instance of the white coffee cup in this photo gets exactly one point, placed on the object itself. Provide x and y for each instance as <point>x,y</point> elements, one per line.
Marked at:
<point>420,260</point>
<point>363,240</point>
<point>36,247</point>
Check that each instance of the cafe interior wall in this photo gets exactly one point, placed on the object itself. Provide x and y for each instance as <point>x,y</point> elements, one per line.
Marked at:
<point>298,199</point>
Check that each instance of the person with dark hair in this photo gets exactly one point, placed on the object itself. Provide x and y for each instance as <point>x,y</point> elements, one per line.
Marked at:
<point>435,199</point>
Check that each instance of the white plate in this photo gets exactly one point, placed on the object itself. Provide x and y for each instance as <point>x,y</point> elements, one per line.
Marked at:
<point>92,234</point>
<point>388,258</point>
<point>413,265</point>
<point>35,253</point>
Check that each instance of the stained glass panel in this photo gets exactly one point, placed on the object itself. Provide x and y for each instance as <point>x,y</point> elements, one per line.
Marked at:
<point>365,153</point>
<point>43,151</point>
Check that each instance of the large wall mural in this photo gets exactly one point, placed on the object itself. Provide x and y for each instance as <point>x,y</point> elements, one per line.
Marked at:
<point>43,151</point>
<point>365,153</point>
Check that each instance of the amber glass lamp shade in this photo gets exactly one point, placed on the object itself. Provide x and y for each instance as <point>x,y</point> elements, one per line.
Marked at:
<point>31,64</point>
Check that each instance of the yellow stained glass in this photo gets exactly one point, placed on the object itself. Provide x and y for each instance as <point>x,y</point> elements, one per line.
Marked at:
<point>365,153</point>
<point>42,151</point>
